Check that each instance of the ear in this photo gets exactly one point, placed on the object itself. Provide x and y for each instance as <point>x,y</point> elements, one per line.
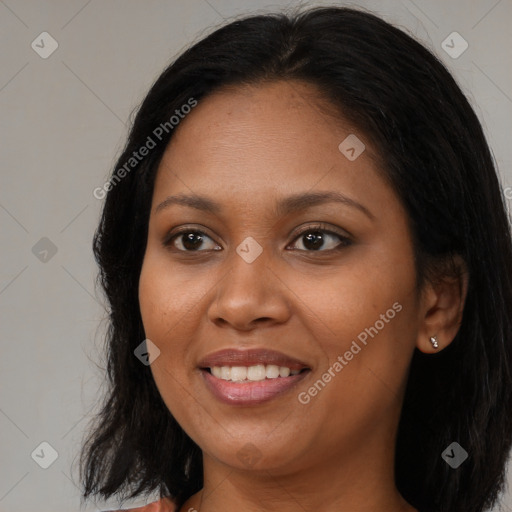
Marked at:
<point>441,308</point>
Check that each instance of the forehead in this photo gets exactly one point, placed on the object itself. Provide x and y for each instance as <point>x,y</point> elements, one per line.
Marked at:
<point>259,118</point>
<point>256,142</point>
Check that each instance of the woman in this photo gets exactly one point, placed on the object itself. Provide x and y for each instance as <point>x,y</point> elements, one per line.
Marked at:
<point>308,262</point>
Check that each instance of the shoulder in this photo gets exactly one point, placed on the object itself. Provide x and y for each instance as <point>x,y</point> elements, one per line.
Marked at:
<point>163,505</point>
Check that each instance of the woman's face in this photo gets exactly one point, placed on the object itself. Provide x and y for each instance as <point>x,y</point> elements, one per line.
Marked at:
<point>265,290</point>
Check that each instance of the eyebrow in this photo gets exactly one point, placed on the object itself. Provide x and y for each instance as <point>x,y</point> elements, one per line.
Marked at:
<point>283,207</point>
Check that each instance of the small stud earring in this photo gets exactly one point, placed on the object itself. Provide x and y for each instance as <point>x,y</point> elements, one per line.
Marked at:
<point>433,340</point>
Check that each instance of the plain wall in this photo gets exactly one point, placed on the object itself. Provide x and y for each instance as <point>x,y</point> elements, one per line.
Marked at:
<point>63,123</point>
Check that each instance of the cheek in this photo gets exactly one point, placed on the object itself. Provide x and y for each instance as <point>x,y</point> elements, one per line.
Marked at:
<point>161,308</point>
<point>364,312</point>
<point>163,313</point>
<point>166,293</point>
<point>171,309</point>
<point>345,302</point>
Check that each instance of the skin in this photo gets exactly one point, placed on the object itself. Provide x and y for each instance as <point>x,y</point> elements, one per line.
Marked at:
<point>246,148</point>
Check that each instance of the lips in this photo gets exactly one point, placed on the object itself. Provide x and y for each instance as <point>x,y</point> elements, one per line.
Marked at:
<point>246,392</point>
<point>250,357</point>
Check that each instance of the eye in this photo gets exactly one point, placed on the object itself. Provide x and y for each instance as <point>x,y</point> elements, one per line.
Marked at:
<point>189,240</point>
<point>315,238</point>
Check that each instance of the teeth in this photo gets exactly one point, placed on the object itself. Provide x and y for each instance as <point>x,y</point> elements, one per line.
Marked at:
<point>272,371</point>
<point>283,371</point>
<point>238,373</point>
<point>252,373</point>
<point>257,372</point>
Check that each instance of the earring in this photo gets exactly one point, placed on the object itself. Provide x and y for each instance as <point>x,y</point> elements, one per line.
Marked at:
<point>433,340</point>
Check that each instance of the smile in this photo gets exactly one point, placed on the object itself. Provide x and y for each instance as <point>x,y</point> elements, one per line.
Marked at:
<point>252,373</point>
<point>251,376</point>
<point>247,392</point>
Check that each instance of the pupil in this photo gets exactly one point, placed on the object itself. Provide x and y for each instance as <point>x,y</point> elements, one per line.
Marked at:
<point>189,243</point>
<point>315,238</point>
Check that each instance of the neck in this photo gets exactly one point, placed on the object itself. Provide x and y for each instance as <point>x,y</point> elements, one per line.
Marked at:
<point>364,481</point>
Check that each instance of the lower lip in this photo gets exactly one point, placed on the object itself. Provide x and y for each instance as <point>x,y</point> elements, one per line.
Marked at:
<point>250,392</point>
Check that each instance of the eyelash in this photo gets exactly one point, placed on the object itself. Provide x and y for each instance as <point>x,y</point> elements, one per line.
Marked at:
<point>345,241</point>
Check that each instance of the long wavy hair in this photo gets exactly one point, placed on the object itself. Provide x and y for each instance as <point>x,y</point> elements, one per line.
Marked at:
<point>433,152</point>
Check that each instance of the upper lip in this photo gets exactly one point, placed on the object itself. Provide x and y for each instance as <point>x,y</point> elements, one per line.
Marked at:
<point>250,357</point>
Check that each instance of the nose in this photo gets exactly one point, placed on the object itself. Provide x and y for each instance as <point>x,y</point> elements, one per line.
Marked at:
<point>250,294</point>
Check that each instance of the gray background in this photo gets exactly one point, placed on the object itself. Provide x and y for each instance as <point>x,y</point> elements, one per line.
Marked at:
<point>63,122</point>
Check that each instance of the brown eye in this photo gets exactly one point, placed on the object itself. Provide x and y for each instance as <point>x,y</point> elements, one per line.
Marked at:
<point>313,239</point>
<point>317,239</point>
<point>190,240</point>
